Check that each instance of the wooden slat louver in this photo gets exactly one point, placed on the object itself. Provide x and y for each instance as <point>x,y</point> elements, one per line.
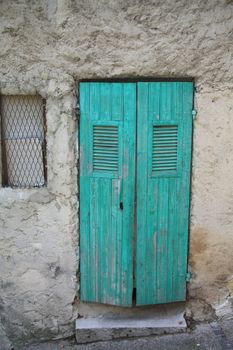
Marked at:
<point>105,148</point>
<point>164,148</point>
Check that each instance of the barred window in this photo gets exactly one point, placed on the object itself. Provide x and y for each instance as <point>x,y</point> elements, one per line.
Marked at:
<point>23,143</point>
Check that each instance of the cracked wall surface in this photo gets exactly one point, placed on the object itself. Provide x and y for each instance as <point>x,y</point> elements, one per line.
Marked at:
<point>46,47</point>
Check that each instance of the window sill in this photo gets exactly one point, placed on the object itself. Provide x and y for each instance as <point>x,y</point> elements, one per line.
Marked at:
<point>37,195</point>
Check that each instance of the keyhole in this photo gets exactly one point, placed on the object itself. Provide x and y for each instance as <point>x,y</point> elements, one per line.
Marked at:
<point>121,205</point>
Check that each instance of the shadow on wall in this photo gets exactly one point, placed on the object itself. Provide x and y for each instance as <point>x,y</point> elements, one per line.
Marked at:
<point>212,268</point>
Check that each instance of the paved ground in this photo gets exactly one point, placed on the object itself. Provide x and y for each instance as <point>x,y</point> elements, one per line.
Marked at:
<point>202,337</point>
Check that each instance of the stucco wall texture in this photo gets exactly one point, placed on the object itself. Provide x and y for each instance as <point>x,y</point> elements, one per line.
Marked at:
<point>46,47</point>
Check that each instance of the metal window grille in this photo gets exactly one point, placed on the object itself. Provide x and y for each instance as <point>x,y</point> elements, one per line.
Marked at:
<point>23,129</point>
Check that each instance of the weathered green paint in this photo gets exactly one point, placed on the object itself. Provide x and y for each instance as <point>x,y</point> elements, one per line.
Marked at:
<point>163,195</point>
<point>106,231</point>
<point>109,166</point>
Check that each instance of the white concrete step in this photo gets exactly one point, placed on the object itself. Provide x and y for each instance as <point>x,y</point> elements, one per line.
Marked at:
<point>134,323</point>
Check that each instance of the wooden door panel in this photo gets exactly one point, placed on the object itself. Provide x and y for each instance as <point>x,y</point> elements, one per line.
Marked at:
<point>107,186</point>
<point>164,129</point>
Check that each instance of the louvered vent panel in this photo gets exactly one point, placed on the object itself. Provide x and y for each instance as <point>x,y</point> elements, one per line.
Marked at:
<point>105,148</point>
<point>164,148</point>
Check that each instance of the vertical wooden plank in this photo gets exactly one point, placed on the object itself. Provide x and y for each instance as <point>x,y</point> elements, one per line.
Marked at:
<point>94,259</point>
<point>184,185</point>
<point>175,200</point>
<point>94,101</point>
<point>163,208</point>
<point>142,277</point>
<point>115,242</point>
<point>162,254</point>
<point>170,116</point>
<point>105,111</point>
<point>117,114</point>
<point>84,189</point>
<point>93,239</point>
<point>117,101</point>
<point>105,234</point>
<point>152,241</point>
<point>128,191</point>
<point>172,239</point>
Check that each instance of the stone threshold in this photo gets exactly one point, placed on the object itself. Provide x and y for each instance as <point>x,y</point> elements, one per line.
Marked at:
<point>143,322</point>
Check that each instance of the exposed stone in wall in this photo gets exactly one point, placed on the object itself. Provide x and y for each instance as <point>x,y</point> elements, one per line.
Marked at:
<point>46,45</point>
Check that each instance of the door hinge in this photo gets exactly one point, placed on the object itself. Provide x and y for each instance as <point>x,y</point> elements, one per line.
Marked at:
<point>188,276</point>
<point>194,113</point>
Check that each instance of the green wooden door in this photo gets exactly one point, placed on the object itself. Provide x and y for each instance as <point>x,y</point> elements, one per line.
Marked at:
<point>164,127</point>
<point>107,185</point>
<point>134,160</point>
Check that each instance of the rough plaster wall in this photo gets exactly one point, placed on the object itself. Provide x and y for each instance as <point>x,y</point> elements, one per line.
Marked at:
<point>211,239</point>
<point>38,228</point>
<point>45,45</point>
